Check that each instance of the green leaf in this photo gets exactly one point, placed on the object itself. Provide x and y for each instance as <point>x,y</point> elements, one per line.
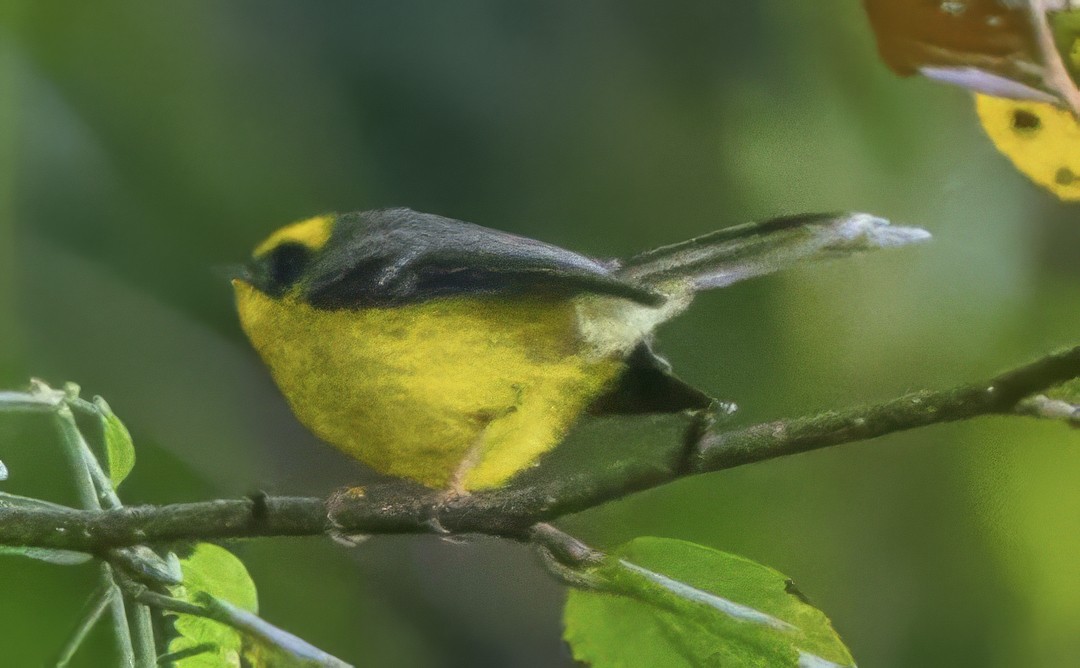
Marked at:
<point>211,571</point>
<point>664,602</point>
<point>119,449</point>
<point>58,557</point>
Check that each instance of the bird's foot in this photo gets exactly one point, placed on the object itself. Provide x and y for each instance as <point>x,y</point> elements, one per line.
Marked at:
<point>338,532</point>
<point>452,494</point>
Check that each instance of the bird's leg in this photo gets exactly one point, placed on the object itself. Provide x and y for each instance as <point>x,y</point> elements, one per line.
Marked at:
<point>456,488</point>
<point>336,532</point>
<point>476,451</point>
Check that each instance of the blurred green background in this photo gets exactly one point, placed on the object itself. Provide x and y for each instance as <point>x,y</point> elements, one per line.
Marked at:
<point>142,144</point>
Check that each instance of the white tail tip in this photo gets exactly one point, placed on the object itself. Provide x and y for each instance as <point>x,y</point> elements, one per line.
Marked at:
<point>865,231</point>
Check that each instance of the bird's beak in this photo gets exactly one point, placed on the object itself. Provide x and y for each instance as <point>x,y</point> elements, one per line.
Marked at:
<point>233,272</point>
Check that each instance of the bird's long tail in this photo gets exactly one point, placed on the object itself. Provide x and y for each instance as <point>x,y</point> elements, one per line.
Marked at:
<point>737,253</point>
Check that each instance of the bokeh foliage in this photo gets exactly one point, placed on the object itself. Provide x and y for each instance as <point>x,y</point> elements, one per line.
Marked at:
<point>143,144</point>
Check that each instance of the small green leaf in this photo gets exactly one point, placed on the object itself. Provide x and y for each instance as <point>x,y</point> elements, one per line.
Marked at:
<point>119,450</point>
<point>666,602</point>
<point>214,571</point>
<point>58,557</point>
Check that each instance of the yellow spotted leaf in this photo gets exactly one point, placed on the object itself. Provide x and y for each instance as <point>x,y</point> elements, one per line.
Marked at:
<point>1043,141</point>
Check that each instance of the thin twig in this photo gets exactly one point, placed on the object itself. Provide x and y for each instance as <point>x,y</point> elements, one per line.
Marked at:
<point>243,621</point>
<point>70,438</point>
<point>998,396</point>
<point>95,607</point>
<point>105,493</point>
<point>35,401</point>
<point>121,630</point>
<point>142,627</point>
<point>564,547</point>
<point>163,602</point>
<point>1056,74</point>
<point>268,635</point>
<point>566,557</point>
<point>91,494</point>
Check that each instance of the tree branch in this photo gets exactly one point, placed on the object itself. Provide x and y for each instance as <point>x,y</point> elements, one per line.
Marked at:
<point>513,511</point>
<point>998,396</point>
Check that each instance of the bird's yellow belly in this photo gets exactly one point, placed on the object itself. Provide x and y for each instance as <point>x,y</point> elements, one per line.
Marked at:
<point>416,390</point>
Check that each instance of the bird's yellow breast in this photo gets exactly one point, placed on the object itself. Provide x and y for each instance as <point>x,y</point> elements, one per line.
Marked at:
<point>413,390</point>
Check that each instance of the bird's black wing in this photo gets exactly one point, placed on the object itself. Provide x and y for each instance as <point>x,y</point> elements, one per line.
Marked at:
<point>647,386</point>
<point>394,257</point>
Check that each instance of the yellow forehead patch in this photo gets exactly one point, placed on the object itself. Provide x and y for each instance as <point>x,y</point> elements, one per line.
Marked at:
<point>312,233</point>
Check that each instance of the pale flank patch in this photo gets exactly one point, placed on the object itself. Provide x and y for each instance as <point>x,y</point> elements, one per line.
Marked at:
<point>612,327</point>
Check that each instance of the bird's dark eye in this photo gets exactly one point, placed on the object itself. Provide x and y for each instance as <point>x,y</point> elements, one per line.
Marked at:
<point>285,265</point>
